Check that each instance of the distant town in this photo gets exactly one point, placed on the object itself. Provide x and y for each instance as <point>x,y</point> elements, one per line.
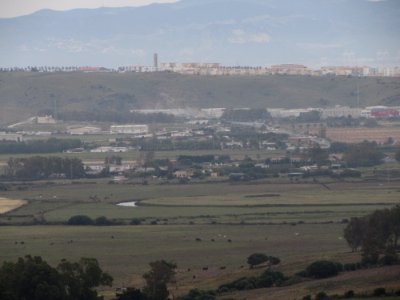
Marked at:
<point>217,69</point>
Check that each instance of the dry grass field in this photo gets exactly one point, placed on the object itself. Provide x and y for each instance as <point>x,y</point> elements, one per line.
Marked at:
<point>357,135</point>
<point>7,205</point>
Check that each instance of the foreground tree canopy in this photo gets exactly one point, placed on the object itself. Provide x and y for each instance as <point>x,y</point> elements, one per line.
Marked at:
<point>34,279</point>
<point>160,275</point>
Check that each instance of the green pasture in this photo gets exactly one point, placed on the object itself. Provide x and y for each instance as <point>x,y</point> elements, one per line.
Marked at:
<point>125,251</point>
<point>223,202</point>
<point>186,215</point>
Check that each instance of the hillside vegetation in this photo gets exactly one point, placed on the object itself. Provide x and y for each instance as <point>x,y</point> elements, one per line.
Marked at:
<point>25,94</point>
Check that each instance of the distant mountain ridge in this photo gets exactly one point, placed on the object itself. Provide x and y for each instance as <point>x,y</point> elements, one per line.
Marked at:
<point>245,32</point>
<point>24,94</point>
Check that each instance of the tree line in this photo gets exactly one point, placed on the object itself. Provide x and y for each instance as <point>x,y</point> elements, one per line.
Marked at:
<point>34,279</point>
<point>51,145</point>
<point>246,115</point>
<point>39,167</point>
<point>117,117</point>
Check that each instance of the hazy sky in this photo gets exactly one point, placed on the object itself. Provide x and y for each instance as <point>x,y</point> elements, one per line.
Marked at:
<point>13,8</point>
<point>241,32</point>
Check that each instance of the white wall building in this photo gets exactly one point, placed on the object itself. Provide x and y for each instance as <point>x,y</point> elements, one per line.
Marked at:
<point>46,120</point>
<point>341,111</point>
<point>129,129</point>
<point>10,137</point>
<point>84,130</point>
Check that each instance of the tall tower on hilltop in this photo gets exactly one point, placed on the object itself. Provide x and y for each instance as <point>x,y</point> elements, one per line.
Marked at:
<point>155,60</point>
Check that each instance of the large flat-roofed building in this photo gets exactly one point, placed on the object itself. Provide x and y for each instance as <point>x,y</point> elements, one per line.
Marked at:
<point>341,111</point>
<point>10,137</point>
<point>129,129</point>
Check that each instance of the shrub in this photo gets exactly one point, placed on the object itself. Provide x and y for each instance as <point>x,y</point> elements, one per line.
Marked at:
<point>349,294</point>
<point>350,267</point>
<point>301,274</point>
<point>274,260</point>
<point>270,278</point>
<point>256,259</point>
<point>80,220</point>
<point>390,257</point>
<point>321,296</point>
<point>197,294</point>
<point>102,221</point>
<point>135,221</point>
<point>323,269</point>
<point>378,292</point>
<point>244,283</point>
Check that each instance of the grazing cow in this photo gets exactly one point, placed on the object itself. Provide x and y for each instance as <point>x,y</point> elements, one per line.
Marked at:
<point>212,240</point>
<point>229,241</point>
<point>205,268</point>
<point>198,239</point>
<point>222,268</point>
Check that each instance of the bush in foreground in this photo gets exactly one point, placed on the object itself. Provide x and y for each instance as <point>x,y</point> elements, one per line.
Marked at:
<point>323,269</point>
<point>80,220</point>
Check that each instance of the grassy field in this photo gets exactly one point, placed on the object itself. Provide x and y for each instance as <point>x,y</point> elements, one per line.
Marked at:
<point>299,222</point>
<point>223,202</point>
<point>124,251</point>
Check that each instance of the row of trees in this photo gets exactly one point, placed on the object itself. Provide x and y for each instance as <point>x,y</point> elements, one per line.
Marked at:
<point>51,145</point>
<point>157,279</point>
<point>34,279</point>
<point>377,235</point>
<point>121,116</point>
<point>246,115</point>
<point>38,167</point>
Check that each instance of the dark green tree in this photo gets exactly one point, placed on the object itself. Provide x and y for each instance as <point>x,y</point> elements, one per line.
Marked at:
<point>355,232</point>
<point>81,278</point>
<point>365,154</point>
<point>317,155</point>
<point>377,234</point>
<point>80,220</point>
<point>30,278</point>
<point>160,275</point>
<point>34,279</point>
<point>323,269</point>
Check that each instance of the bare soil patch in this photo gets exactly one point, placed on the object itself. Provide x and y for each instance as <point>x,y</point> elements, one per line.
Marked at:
<point>7,205</point>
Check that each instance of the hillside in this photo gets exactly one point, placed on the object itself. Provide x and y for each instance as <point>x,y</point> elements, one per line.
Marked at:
<point>25,94</point>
